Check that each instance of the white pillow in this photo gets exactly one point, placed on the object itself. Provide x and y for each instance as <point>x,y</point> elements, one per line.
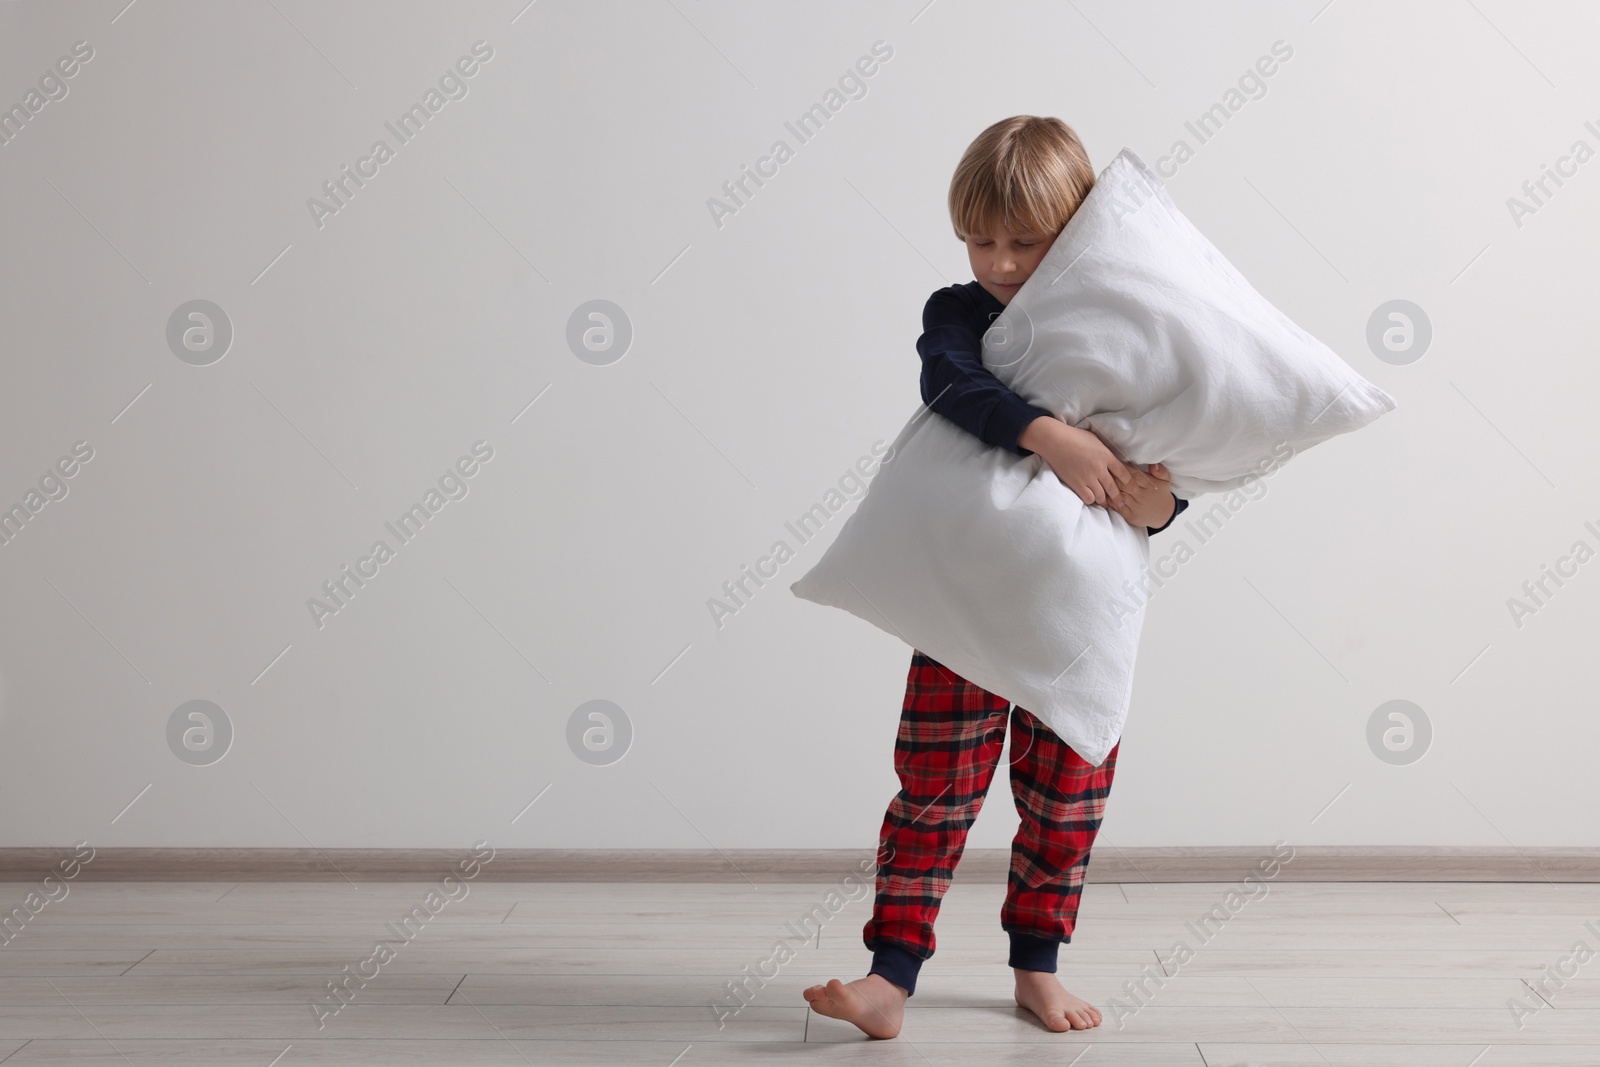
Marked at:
<point>1136,327</point>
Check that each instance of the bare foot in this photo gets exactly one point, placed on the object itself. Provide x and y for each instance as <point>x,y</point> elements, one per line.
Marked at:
<point>1041,993</point>
<point>873,1003</point>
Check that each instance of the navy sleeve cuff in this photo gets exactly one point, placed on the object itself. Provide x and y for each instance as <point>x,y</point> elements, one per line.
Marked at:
<point>1177,509</point>
<point>1008,419</point>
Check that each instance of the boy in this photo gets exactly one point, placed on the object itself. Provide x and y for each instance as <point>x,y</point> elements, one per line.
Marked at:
<point>1015,188</point>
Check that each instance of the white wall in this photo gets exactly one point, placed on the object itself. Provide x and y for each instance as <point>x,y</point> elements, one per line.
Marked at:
<point>768,354</point>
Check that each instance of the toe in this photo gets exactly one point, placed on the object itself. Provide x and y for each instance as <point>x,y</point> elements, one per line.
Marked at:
<point>820,997</point>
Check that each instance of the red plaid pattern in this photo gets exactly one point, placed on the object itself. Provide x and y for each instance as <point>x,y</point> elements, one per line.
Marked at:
<point>951,735</point>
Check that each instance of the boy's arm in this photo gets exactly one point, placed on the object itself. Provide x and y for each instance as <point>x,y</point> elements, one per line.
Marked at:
<point>957,385</point>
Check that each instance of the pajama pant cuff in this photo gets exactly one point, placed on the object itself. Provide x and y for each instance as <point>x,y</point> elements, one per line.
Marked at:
<point>1031,953</point>
<point>898,965</point>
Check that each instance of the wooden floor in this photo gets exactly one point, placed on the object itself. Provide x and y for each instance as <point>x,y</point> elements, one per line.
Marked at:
<point>1325,974</point>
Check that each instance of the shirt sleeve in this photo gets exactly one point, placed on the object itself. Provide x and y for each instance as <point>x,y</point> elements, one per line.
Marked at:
<point>1177,510</point>
<point>957,385</point>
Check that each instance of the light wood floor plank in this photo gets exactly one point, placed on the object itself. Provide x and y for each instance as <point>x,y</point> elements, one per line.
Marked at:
<point>933,990</point>
<point>503,1053</point>
<point>702,960</point>
<point>1219,1054</point>
<point>1361,974</point>
<point>220,989</point>
<point>459,1021</point>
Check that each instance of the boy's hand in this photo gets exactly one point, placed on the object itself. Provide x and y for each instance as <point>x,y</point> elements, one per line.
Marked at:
<point>1147,499</point>
<point>1080,459</point>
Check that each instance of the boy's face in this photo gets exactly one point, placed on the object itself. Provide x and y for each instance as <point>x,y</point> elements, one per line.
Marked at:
<point>1002,260</point>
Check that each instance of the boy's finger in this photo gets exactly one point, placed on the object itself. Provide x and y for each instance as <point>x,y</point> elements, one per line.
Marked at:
<point>1138,484</point>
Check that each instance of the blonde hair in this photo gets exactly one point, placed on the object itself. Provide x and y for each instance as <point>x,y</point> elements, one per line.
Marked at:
<point>1026,173</point>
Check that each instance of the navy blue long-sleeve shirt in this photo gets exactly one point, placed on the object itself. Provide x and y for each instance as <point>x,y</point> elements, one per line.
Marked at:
<point>957,385</point>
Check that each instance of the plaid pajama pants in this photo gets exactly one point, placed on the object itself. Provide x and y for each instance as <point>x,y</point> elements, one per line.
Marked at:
<point>951,734</point>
